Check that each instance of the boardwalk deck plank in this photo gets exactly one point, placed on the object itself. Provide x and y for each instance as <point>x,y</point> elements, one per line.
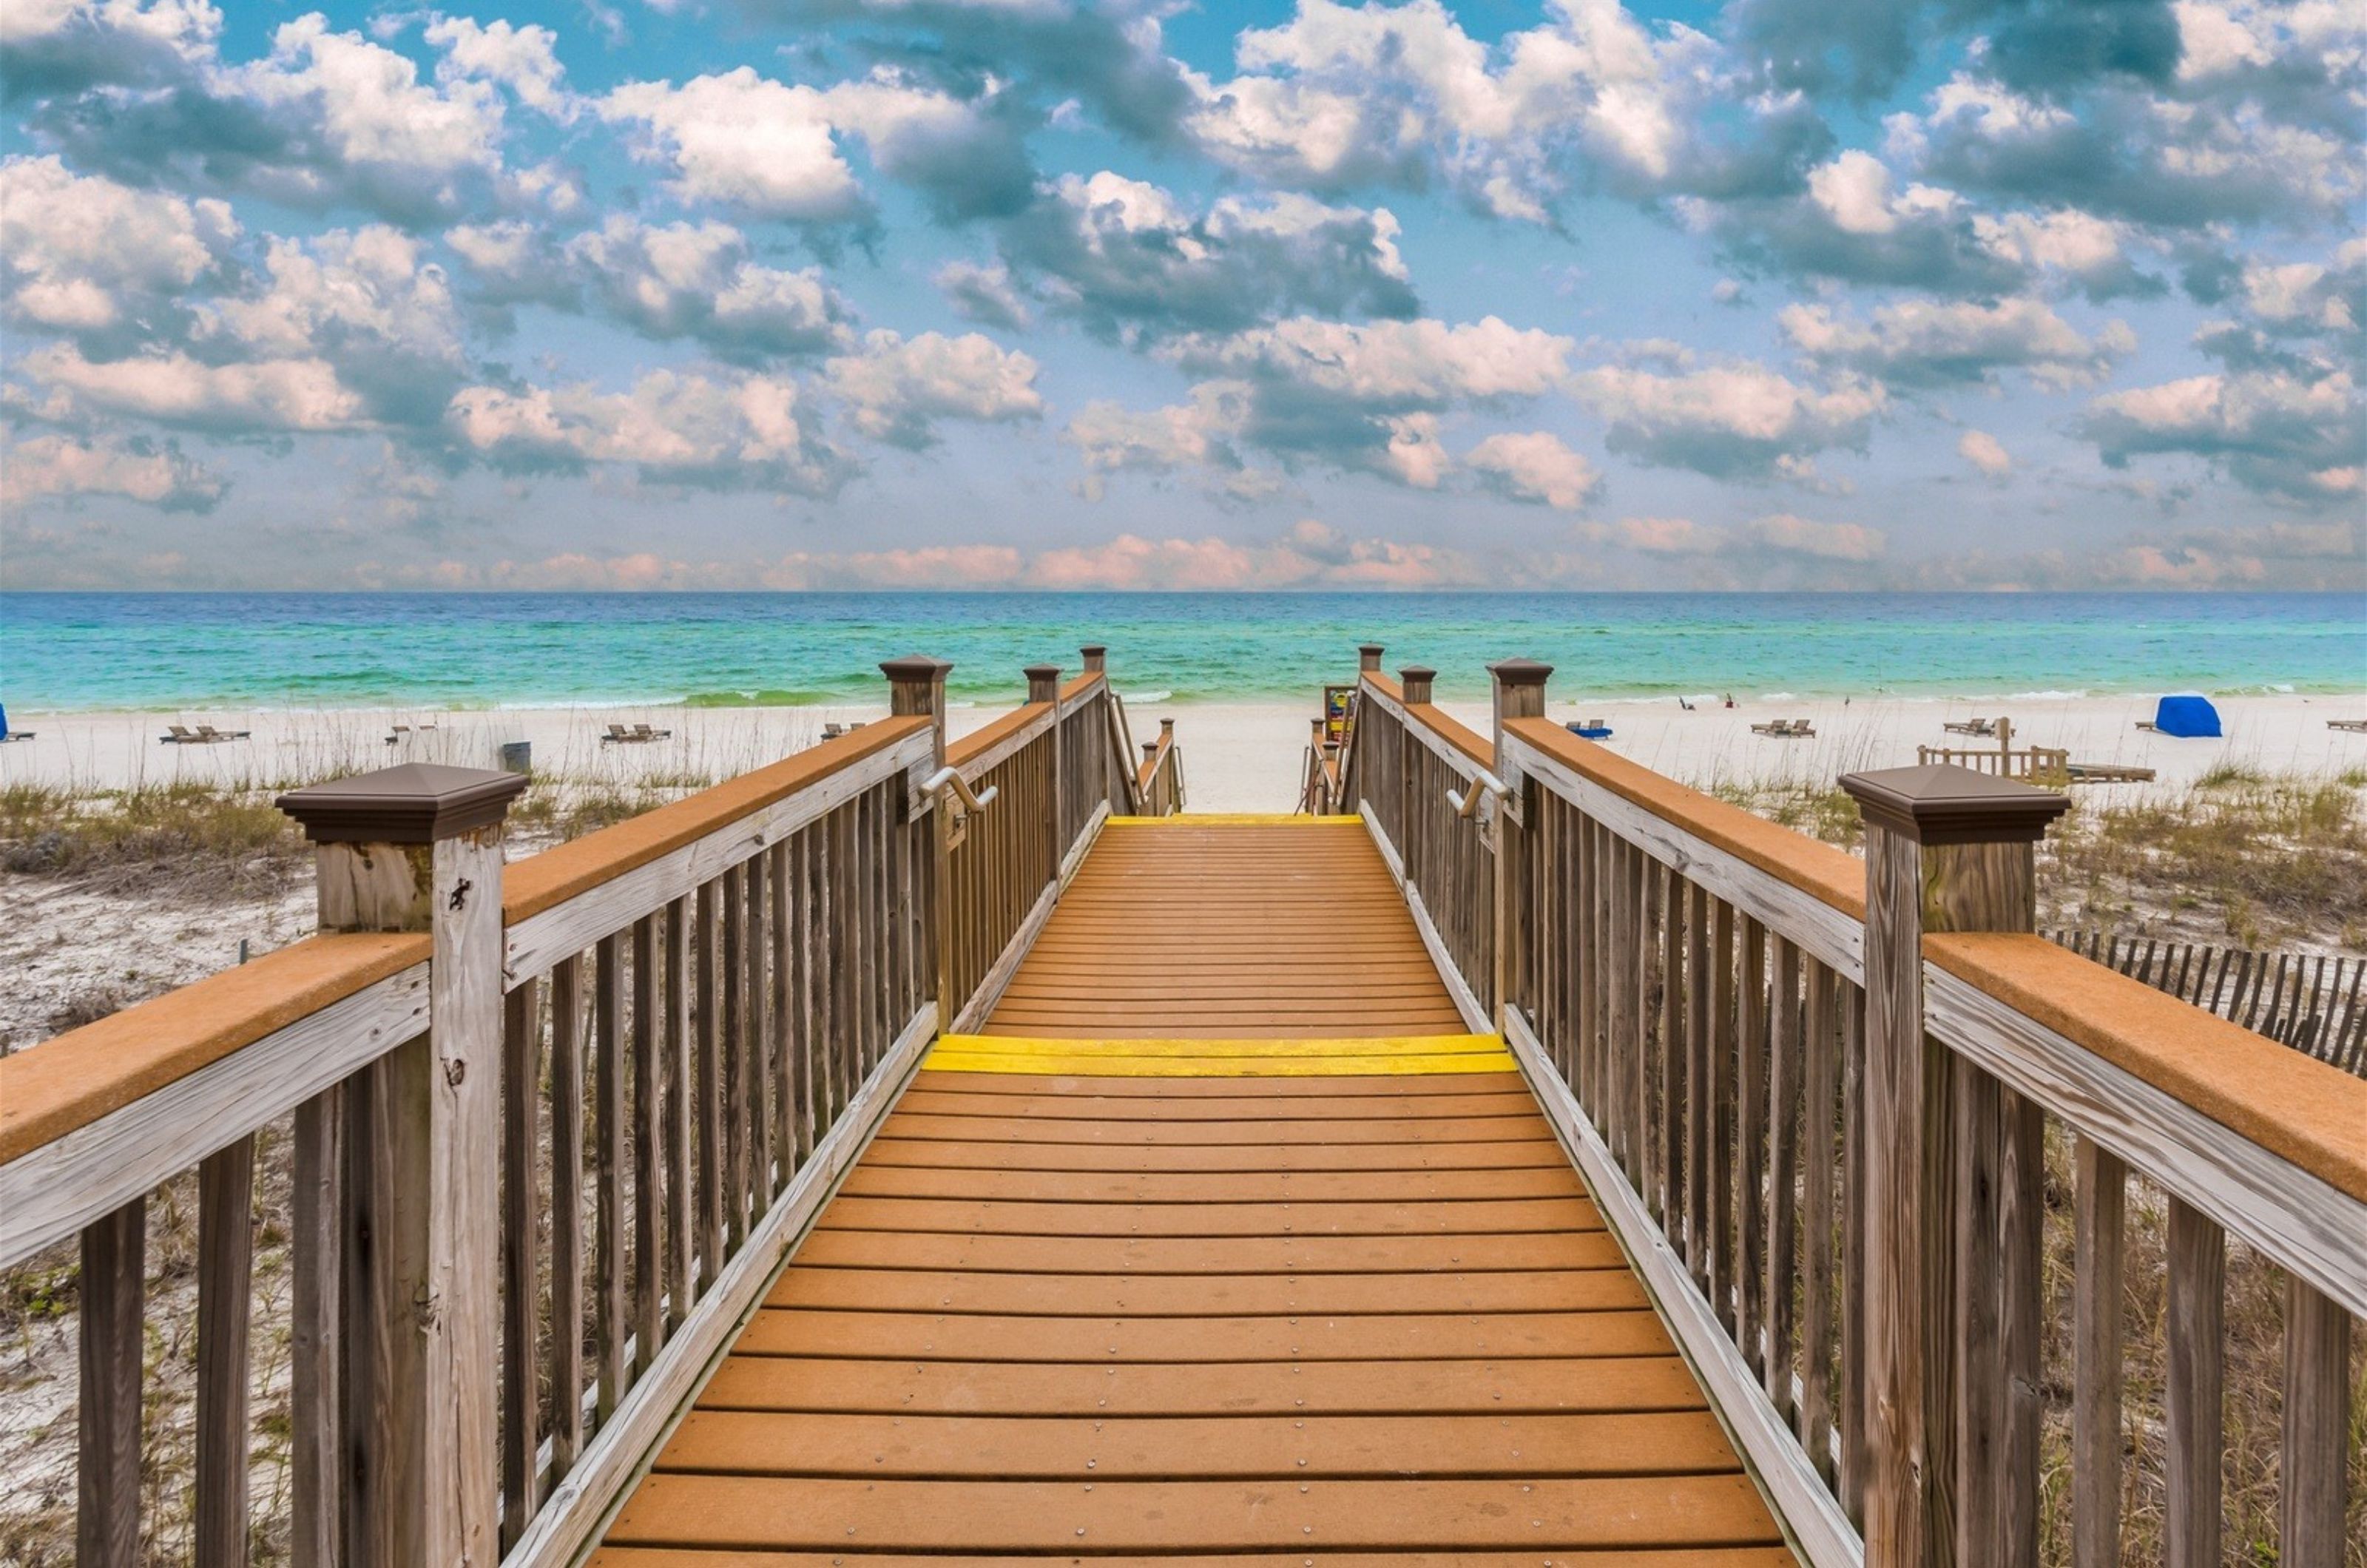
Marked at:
<point>1061,1309</point>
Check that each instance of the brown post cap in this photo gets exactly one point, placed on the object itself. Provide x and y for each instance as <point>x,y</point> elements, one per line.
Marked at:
<point>1947,805</point>
<point>1167,725</point>
<point>1149,746</point>
<point>914,668</point>
<point>1414,681</point>
<point>1368,656</point>
<point>417,802</point>
<point>1043,682</point>
<point>1519,673</point>
<point>1096,655</point>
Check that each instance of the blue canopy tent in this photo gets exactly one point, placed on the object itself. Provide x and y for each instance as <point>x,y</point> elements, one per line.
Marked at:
<point>2188,716</point>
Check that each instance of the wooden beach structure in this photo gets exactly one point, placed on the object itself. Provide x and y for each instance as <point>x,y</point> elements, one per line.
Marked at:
<point>921,1150</point>
<point>2048,767</point>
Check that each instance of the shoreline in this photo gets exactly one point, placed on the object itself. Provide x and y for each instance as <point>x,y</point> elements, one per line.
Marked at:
<point>1238,756</point>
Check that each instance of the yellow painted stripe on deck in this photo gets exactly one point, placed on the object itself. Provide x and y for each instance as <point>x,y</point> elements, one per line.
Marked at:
<point>1374,1056</point>
<point>1225,819</point>
<point>1115,1066</point>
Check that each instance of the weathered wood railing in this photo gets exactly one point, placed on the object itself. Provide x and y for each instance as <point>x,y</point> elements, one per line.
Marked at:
<point>550,1124</point>
<point>2295,999</point>
<point>1159,783</point>
<point>1812,1096</point>
<point>2049,766</point>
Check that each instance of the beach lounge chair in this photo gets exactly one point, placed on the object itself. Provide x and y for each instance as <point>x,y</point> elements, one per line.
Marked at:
<point>617,732</point>
<point>2356,726</point>
<point>1589,730</point>
<point>177,735</point>
<point>7,734</point>
<point>1971,726</point>
<point>643,732</point>
<point>1786,729</point>
<point>209,735</point>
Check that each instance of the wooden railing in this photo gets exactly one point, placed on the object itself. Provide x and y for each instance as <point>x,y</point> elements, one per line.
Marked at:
<point>1159,783</point>
<point>1813,1097</point>
<point>2315,1004</point>
<point>2047,766</point>
<point>549,1126</point>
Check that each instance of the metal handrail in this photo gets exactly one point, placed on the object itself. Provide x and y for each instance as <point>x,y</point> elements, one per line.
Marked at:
<point>1485,783</point>
<point>948,778</point>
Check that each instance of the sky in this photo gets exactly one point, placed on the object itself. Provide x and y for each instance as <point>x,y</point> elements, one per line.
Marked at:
<point>640,294</point>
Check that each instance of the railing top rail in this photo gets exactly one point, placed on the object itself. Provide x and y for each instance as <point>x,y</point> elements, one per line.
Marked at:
<point>1081,684</point>
<point>1832,876</point>
<point>1458,736</point>
<point>81,1076</point>
<point>979,742</point>
<point>2306,1111</point>
<point>566,871</point>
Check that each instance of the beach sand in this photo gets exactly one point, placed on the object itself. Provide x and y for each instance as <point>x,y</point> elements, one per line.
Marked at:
<point>1236,757</point>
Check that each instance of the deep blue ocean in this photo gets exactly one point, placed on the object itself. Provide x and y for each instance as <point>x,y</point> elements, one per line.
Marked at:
<point>70,651</point>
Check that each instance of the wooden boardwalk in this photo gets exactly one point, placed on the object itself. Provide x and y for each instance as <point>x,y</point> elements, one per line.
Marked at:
<point>1216,1298</point>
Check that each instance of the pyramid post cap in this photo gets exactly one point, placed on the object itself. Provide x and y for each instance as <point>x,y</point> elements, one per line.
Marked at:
<point>413,803</point>
<point>1941,804</point>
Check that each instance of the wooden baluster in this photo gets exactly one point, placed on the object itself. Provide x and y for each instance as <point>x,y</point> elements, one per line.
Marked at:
<point>1750,1314</point>
<point>1620,1042</point>
<point>315,1415</point>
<point>114,1292</point>
<point>1945,850</point>
<point>608,1174</point>
<point>1646,963</point>
<point>2101,1201</point>
<point>2316,1428</point>
<point>1978,1338</point>
<point>1676,921</point>
<point>2022,1221</point>
<point>566,1215</point>
<point>521,1255</point>
<point>916,686</point>
<point>759,1063</point>
<point>782,1040</point>
<point>225,1302</point>
<point>1853,1269</point>
<point>732,1108</point>
<point>1724,1033</point>
<point>649,1151</point>
<point>1819,1169</point>
<point>2198,1277</point>
<point>1783,1158</point>
<point>1699,1089</point>
<point>711,1084</point>
<point>802,939</point>
<point>681,1206</point>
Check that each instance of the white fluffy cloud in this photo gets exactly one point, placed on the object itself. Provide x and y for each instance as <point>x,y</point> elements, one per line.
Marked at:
<point>296,394</point>
<point>1395,364</point>
<point>673,428</point>
<point>1732,421</point>
<point>1537,466</point>
<point>896,388</point>
<point>1985,453</point>
<point>1941,342</point>
<point>84,253</point>
<point>68,468</point>
<point>523,59</point>
<point>1787,534</point>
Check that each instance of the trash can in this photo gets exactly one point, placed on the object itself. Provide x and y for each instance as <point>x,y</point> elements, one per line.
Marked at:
<point>517,756</point>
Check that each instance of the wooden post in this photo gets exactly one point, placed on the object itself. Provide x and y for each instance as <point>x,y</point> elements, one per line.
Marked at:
<point>916,685</point>
<point>419,848</point>
<point>1097,657</point>
<point>1415,681</point>
<point>1519,693</point>
<point>1947,849</point>
<point>1368,657</point>
<point>1044,686</point>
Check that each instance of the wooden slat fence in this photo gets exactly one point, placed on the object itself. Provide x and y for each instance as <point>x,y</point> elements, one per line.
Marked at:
<point>2314,1002</point>
<point>1842,1224</point>
<point>552,1125</point>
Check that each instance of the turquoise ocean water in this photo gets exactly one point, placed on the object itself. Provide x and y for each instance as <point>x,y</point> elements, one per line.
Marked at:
<point>82,651</point>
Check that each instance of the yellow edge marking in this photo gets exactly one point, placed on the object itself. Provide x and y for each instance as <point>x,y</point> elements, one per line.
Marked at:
<point>1220,1066</point>
<point>1375,1046</point>
<point>1205,819</point>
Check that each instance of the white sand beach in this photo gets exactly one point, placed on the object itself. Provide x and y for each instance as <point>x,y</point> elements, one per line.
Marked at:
<point>1236,757</point>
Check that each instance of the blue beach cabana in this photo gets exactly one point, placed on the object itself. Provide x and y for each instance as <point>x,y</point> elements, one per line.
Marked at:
<point>2188,716</point>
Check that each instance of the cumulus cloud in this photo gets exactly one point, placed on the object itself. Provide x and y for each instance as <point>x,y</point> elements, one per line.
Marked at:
<point>69,467</point>
<point>1535,467</point>
<point>896,388</point>
<point>1125,258</point>
<point>1730,421</point>
<point>1341,96</point>
<point>2297,435</point>
<point>986,295</point>
<point>523,59</point>
<point>773,149</point>
<point>749,431</point>
<point>1985,453</point>
<point>57,47</point>
<point>1922,343</point>
<point>294,394</point>
<point>89,256</point>
<point>1658,535</point>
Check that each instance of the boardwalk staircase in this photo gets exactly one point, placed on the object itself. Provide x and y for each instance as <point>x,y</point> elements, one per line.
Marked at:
<point>924,1150</point>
